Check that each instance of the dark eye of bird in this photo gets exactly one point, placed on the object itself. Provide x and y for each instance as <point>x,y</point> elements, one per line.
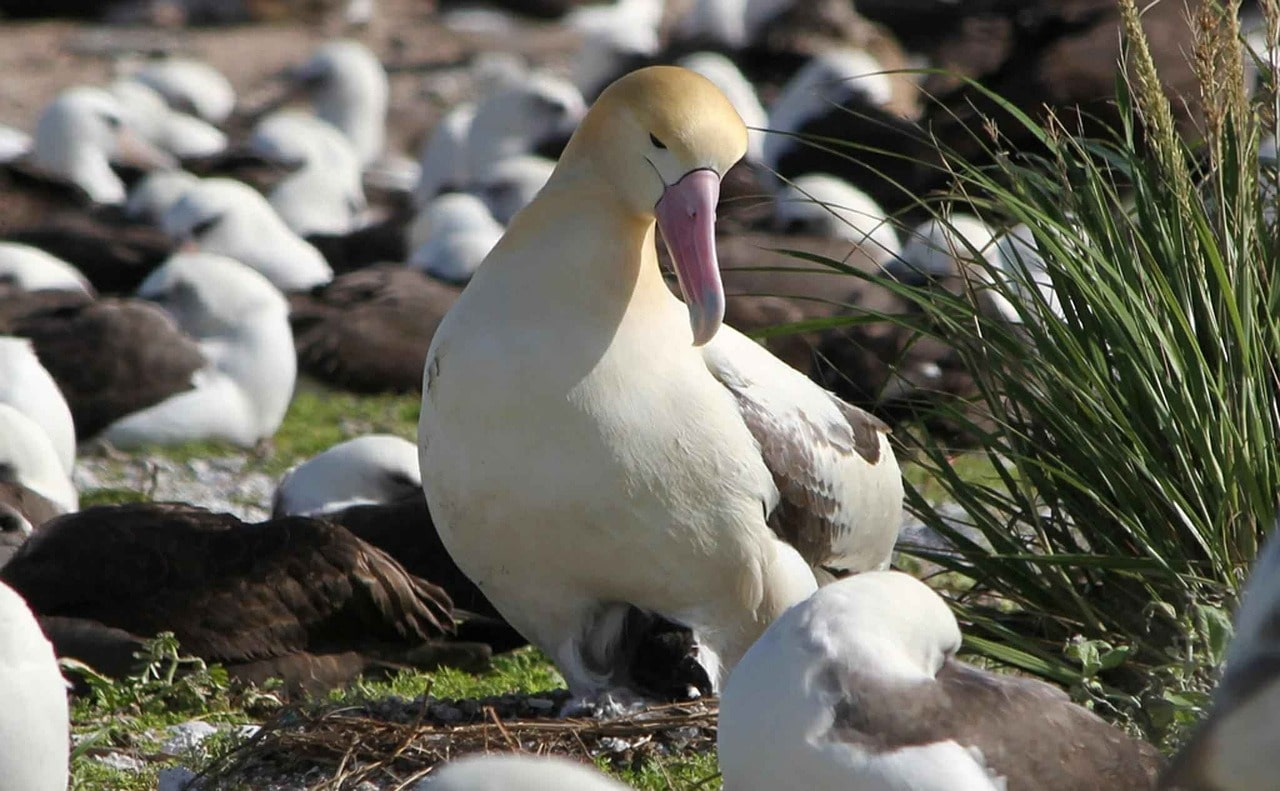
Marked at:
<point>201,227</point>
<point>656,142</point>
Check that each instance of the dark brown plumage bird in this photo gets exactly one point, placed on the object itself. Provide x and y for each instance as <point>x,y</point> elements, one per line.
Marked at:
<point>369,330</point>
<point>299,598</point>
<point>138,356</point>
<point>113,253</point>
<point>1059,57</point>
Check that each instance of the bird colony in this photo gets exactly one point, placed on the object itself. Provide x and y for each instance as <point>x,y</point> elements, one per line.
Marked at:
<point>568,270</point>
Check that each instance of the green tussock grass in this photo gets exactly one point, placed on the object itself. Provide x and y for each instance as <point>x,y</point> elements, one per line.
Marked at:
<point>1131,432</point>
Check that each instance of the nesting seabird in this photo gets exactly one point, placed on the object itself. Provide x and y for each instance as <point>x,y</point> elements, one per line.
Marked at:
<point>511,184</point>
<point>451,236</point>
<point>442,164</point>
<point>115,257</point>
<point>33,486</point>
<point>229,218</point>
<point>26,385</point>
<point>33,269</point>
<point>516,773</point>
<point>371,486</point>
<point>375,468</point>
<point>615,37</point>
<point>859,687</point>
<point>822,204</point>
<point>323,193</point>
<point>190,86</point>
<point>29,459</point>
<point>473,147</point>
<point>940,246</point>
<point>14,143</point>
<point>157,192</point>
<point>348,88</point>
<point>216,362</point>
<point>296,598</point>
<point>369,330</point>
<point>184,136</point>
<point>680,467</point>
<point>80,133</point>
<point>35,726</point>
<point>1023,269</point>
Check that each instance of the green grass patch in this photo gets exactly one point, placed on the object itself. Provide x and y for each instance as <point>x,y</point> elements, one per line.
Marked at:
<point>317,419</point>
<point>671,773</point>
<point>522,671</point>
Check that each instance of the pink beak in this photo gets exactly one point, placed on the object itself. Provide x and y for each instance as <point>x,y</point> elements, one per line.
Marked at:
<point>687,217</point>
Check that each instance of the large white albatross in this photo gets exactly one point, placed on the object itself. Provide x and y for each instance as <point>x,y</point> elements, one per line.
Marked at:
<point>589,443</point>
<point>859,687</point>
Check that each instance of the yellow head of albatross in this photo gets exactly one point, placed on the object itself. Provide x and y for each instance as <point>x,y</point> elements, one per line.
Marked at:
<point>663,137</point>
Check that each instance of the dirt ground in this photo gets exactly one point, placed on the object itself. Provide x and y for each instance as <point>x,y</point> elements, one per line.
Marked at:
<point>422,53</point>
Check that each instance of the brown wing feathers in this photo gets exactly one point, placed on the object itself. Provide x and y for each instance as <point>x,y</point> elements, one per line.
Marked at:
<point>230,591</point>
<point>94,353</point>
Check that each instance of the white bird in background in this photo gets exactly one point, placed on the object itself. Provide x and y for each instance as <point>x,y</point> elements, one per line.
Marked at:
<point>81,133</point>
<point>726,76</point>
<point>442,165</point>
<point>828,80</point>
<point>451,236</point>
<point>14,143</point>
<point>683,469</point>
<point>348,88</point>
<point>28,458</point>
<point>824,205</point>
<point>155,193</point>
<point>240,323</point>
<point>26,386</point>
<point>229,218</point>
<point>512,184</point>
<point>180,134</point>
<point>488,148</point>
<point>612,34</point>
<point>1024,270</point>
<point>35,725</point>
<point>324,194</point>
<point>513,121</point>
<point>937,246</point>
<point>375,468</point>
<point>189,86</point>
<point>33,269</point>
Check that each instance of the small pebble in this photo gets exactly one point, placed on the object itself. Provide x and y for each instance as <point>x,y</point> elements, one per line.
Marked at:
<point>121,762</point>
<point>176,778</point>
<point>186,736</point>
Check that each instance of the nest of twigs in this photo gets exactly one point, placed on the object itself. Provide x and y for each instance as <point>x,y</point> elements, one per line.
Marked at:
<point>393,744</point>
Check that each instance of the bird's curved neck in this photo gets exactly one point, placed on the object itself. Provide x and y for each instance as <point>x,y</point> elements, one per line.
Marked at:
<point>579,240</point>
